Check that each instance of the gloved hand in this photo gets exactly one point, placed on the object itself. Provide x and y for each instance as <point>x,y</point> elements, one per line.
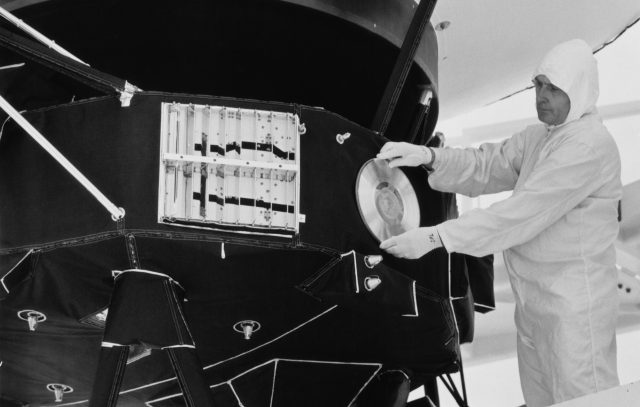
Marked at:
<point>413,244</point>
<point>404,154</point>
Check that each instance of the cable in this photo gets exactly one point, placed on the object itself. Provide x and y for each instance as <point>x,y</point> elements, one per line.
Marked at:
<point>5,122</point>
<point>617,36</point>
<point>605,44</point>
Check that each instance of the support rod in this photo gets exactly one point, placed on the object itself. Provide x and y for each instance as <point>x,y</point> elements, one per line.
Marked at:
<point>403,64</point>
<point>116,213</point>
<point>38,36</point>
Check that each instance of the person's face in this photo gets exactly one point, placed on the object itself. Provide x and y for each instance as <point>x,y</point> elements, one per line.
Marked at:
<point>552,103</point>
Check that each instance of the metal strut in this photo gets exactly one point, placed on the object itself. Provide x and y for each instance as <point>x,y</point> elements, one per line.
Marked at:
<point>447,380</point>
<point>403,64</point>
<point>55,57</point>
<point>116,213</point>
<point>38,36</point>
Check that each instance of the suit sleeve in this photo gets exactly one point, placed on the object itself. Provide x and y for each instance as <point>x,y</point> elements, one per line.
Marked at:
<point>493,167</point>
<point>558,183</point>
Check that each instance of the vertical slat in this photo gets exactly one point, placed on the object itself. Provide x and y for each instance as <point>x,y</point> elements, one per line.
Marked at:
<point>229,210</point>
<point>180,180</point>
<point>190,127</point>
<point>255,191</point>
<point>196,131</point>
<point>262,186</point>
<point>279,197</point>
<point>223,129</point>
<point>247,193</point>
<point>230,132</point>
<point>195,187</point>
<point>291,197</point>
<point>173,129</point>
<point>171,170</point>
<point>214,128</point>
<point>212,190</point>
<point>222,190</point>
<point>297,151</point>
<point>187,168</point>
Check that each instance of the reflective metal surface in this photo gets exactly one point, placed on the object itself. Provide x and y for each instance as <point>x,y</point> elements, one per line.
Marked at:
<point>386,200</point>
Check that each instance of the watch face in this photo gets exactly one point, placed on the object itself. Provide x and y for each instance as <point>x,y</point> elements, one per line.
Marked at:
<point>386,200</point>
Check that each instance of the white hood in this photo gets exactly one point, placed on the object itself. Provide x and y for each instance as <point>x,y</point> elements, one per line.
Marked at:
<point>572,67</point>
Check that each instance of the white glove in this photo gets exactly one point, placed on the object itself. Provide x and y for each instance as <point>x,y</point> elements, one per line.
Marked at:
<point>413,244</point>
<point>405,154</point>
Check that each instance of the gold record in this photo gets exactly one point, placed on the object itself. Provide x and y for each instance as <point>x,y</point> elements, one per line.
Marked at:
<point>386,200</point>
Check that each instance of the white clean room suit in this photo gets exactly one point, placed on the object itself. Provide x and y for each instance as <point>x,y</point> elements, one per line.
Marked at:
<point>556,232</point>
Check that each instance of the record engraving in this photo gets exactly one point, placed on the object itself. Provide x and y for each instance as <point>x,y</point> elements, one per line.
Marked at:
<point>386,200</point>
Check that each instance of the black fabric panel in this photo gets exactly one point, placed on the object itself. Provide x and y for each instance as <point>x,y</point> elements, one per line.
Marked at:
<point>18,272</point>
<point>463,308</point>
<point>146,309</point>
<point>284,383</point>
<point>307,384</point>
<point>66,285</point>
<point>222,292</point>
<point>108,378</point>
<point>155,368</point>
<point>425,343</point>
<point>473,272</point>
<point>33,86</point>
<point>178,400</point>
<point>481,282</point>
<point>196,391</point>
<point>256,386</point>
<point>222,395</point>
<point>387,389</point>
<point>5,402</point>
<point>345,282</point>
<point>248,284</point>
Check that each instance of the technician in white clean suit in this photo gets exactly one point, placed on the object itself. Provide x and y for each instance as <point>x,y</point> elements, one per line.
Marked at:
<point>556,231</point>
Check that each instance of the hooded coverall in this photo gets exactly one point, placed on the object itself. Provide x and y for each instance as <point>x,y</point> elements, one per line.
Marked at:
<point>556,232</point>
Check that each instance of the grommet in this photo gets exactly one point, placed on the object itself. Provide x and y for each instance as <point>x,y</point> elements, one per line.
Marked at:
<point>32,317</point>
<point>247,328</point>
<point>371,282</point>
<point>372,260</point>
<point>58,390</point>
<point>340,138</point>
